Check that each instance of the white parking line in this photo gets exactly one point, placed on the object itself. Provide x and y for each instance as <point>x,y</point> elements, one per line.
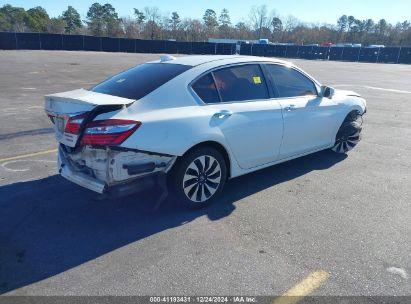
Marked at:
<point>398,271</point>
<point>388,90</point>
<point>5,165</point>
<point>373,88</point>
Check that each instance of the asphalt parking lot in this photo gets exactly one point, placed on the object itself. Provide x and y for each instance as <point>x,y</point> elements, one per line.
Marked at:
<point>347,216</point>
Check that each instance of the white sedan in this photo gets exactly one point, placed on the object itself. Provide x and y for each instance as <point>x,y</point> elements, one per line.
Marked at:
<point>193,122</point>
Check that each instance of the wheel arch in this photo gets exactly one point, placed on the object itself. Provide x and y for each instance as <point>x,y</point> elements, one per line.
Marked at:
<point>219,147</point>
<point>353,111</point>
<point>347,113</point>
<point>348,134</point>
<point>357,104</point>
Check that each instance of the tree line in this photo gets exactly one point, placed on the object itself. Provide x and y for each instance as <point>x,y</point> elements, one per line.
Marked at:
<point>151,23</point>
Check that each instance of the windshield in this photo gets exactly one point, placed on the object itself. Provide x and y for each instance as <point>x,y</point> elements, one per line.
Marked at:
<point>141,80</point>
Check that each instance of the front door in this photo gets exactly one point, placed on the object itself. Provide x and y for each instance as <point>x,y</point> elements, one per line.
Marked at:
<point>307,122</point>
<point>307,116</point>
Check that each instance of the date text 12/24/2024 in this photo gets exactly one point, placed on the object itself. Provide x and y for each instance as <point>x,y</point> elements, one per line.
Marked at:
<point>203,299</point>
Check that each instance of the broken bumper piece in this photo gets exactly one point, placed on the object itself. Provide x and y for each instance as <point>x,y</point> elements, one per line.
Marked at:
<point>82,179</point>
<point>114,172</point>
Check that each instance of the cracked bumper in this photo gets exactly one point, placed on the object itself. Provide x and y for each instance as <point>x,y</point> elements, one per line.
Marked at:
<point>79,178</point>
<point>137,174</point>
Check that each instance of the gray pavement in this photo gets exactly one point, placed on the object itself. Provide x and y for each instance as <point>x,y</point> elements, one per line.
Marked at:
<point>347,215</point>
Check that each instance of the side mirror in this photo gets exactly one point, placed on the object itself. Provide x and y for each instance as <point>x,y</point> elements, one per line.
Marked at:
<point>327,92</point>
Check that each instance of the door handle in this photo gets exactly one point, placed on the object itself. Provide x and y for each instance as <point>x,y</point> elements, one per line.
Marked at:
<point>291,107</point>
<point>223,114</point>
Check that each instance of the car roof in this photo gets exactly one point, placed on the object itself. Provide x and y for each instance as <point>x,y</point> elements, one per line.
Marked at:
<point>195,60</point>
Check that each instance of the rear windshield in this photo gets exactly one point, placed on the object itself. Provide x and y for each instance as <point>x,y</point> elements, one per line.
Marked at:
<point>141,80</point>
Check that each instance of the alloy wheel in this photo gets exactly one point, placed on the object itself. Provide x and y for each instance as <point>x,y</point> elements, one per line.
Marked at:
<point>202,178</point>
<point>346,143</point>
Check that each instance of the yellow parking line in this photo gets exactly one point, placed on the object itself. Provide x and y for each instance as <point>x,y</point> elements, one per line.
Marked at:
<point>295,294</point>
<point>28,155</point>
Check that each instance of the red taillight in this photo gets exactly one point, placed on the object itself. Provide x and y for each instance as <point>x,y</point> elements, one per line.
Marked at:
<point>74,123</point>
<point>108,132</point>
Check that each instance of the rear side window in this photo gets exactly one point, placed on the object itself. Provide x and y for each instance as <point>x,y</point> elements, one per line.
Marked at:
<point>243,82</point>
<point>206,89</point>
<point>141,80</point>
<point>289,82</point>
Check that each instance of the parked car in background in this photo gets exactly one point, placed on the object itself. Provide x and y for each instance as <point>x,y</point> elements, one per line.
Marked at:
<point>197,121</point>
<point>263,41</point>
<point>376,46</point>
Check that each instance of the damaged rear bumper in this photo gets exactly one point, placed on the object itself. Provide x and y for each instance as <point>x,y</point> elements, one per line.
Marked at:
<point>82,179</point>
<point>114,172</point>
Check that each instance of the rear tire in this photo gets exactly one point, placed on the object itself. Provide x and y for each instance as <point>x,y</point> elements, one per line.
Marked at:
<point>198,178</point>
<point>349,134</point>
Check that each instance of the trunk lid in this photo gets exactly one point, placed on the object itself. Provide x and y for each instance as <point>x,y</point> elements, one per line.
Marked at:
<point>61,107</point>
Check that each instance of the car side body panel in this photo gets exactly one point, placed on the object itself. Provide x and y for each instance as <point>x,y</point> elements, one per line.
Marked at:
<point>174,120</point>
<point>173,130</point>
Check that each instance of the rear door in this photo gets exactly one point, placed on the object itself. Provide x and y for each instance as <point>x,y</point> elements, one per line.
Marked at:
<point>308,118</point>
<point>239,104</point>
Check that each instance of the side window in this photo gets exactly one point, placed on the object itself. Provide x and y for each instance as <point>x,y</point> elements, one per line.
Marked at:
<point>289,82</point>
<point>243,82</point>
<point>206,89</point>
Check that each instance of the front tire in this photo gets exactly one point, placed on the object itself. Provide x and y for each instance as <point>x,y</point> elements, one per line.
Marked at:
<point>198,178</point>
<point>349,134</point>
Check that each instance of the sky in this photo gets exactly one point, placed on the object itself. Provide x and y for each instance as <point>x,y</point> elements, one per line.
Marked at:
<point>311,11</point>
